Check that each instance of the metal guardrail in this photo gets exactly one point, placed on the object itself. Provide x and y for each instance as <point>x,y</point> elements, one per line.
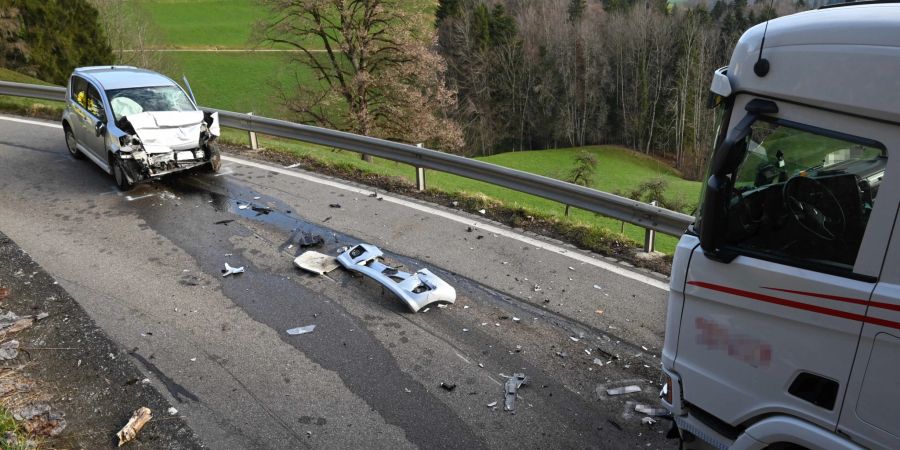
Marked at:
<point>610,205</point>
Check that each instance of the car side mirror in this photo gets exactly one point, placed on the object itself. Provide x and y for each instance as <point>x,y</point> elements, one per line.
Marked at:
<point>100,128</point>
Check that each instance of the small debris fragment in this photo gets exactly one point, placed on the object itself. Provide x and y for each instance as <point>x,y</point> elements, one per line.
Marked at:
<point>334,205</point>
<point>301,330</point>
<point>470,229</point>
<point>442,305</point>
<point>516,319</point>
<point>261,210</point>
<point>599,312</point>
<point>512,386</point>
<point>310,240</point>
<point>598,362</point>
<point>4,292</point>
<point>482,212</point>
<point>623,390</point>
<point>172,411</point>
<point>243,206</point>
<point>232,270</point>
<point>650,410</point>
<point>491,404</point>
<point>448,387</point>
<point>614,424</point>
<point>223,222</point>
<point>648,421</point>
<point>598,287</point>
<point>571,268</point>
<point>42,316</point>
<point>562,354</point>
<point>255,198</point>
<point>40,419</point>
<point>137,421</point>
<point>574,339</point>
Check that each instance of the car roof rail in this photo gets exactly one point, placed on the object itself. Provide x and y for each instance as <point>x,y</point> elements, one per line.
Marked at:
<point>855,3</point>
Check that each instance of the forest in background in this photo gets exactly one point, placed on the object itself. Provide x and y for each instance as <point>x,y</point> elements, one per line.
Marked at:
<point>568,73</point>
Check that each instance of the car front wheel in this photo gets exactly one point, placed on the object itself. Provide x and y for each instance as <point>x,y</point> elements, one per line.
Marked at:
<point>121,179</point>
<point>215,157</point>
<point>71,145</point>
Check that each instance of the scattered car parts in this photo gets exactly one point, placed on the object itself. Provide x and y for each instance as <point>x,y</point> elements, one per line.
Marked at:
<point>512,386</point>
<point>316,262</point>
<point>417,290</point>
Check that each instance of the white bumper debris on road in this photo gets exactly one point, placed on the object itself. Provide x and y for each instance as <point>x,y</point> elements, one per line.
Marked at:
<point>232,270</point>
<point>417,290</point>
<point>316,262</point>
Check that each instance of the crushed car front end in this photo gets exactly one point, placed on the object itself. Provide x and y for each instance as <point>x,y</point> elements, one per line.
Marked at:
<point>153,144</point>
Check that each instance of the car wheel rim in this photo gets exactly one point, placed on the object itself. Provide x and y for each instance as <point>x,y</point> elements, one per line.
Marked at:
<point>70,142</point>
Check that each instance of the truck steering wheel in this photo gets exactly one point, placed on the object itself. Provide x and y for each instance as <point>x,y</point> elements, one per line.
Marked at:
<point>814,207</point>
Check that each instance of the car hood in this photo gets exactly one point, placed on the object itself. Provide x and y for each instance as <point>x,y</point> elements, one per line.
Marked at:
<point>166,131</point>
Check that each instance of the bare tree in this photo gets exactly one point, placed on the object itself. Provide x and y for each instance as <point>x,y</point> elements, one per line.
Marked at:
<point>378,74</point>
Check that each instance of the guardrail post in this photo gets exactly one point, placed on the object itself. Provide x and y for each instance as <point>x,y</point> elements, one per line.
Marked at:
<point>420,175</point>
<point>649,236</point>
<point>254,143</point>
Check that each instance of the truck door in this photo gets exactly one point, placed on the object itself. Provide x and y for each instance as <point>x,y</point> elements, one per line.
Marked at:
<point>872,412</point>
<point>772,317</point>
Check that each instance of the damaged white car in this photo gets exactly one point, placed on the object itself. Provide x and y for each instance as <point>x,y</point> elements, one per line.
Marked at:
<point>137,124</point>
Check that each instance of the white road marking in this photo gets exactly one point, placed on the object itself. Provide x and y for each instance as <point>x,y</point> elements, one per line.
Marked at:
<point>618,270</point>
<point>32,122</point>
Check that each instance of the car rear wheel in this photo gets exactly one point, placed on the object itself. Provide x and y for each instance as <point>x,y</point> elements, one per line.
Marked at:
<point>215,157</point>
<point>71,145</point>
<point>121,179</point>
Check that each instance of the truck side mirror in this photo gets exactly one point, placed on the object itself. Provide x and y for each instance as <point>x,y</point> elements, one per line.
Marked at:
<point>100,128</point>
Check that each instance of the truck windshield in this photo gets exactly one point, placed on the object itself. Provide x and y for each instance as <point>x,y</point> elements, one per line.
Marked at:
<point>143,99</point>
<point>803,194</point>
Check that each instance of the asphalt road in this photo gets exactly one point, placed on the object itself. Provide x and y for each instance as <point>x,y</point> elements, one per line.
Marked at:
<point>146,265</point>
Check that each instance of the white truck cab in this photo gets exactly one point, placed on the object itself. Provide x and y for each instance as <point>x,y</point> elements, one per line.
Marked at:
<point>783,321</point>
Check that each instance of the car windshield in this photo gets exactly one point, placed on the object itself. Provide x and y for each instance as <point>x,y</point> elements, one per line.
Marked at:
<point>142,99</point>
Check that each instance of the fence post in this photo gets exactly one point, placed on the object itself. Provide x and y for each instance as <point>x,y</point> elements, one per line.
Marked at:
<point>649,236</point>
<point>254,143</point>
<point>420,175</point>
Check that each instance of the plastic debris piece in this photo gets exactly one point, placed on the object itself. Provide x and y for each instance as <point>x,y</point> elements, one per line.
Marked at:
<point>624,390</point>
<point>491,404</point>
<point>571,268</point>
<point>449,387</point>
<point>301,330</point>
<point>316,262</point>
<point>598,287</point>
<point>232,270</point>
<point>310,240</point>
<point>512,386</point>
<point>482,212</point>
<point>598,362</point>
<point>42,316</point>
<point>650,410</point>
<point>442,305</point>
<point>261,210</point>
<point>223,222</point>
<point>648,421</point>
<point>574,339</point>
<point>255,198</point>
<point>9,350</point>
<point>334,205</point>
<point>516,319</point>
<point>172,411</point>
<point>137,421</point>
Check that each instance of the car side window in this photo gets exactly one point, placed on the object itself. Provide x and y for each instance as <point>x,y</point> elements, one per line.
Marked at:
<point>94,103</point>
<point>79,91</point>
<point>803,196</point>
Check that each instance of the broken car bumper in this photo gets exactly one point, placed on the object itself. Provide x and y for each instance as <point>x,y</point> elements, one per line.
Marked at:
<point>417,290</point>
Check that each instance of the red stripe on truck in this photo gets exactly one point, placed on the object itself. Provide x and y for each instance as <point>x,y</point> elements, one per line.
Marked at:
<point>798,305</point>
<point>840,299</point>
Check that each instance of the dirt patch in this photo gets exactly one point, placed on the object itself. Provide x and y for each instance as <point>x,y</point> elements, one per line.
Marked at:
<point>68,370</point>
<point>587,237</point>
